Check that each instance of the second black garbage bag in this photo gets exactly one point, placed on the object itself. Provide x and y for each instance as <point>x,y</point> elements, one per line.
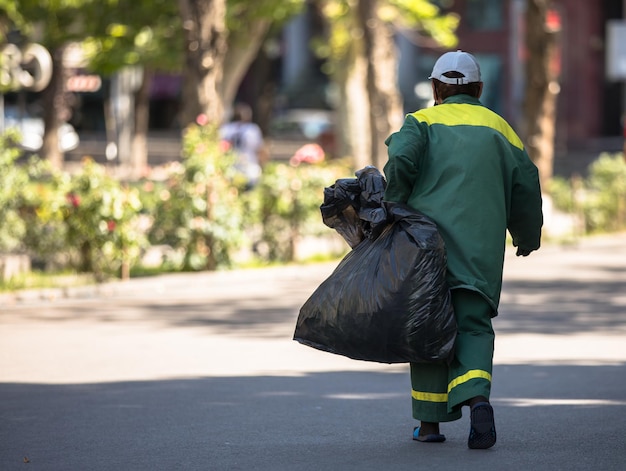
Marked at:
<point>388,300</point>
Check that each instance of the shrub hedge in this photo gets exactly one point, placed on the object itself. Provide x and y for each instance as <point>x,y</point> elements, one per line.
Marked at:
<point>90,222</point>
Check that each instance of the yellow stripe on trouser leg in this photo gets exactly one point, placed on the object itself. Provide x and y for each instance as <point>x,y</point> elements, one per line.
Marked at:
<point>429,397</point>
<point>468,375</point>
<point>471,368</point>
<point>429,392</point>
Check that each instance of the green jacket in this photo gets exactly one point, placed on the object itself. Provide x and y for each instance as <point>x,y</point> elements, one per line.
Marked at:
<point>464,166</point>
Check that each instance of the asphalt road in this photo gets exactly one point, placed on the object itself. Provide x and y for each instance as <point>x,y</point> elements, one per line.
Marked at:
<point>199,372</point>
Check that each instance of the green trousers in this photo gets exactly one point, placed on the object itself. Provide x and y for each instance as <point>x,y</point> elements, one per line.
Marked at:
<point>439,390</point>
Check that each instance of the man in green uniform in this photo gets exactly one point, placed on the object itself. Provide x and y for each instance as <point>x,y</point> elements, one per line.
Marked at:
<point>463,166</point>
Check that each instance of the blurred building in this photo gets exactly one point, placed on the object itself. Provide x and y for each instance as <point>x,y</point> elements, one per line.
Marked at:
<point>591,103</point>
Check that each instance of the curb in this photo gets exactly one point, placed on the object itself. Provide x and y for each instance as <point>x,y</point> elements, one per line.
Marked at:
<point>116,288</point>
<point>75,292</point>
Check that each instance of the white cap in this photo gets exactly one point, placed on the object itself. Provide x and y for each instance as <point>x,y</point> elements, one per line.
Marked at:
<point>459,61</point>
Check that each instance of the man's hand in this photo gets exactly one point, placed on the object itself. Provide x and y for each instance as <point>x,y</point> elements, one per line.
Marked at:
<point>522,252</point>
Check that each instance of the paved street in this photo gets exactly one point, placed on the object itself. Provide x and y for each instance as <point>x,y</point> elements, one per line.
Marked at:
<point>199,372</point>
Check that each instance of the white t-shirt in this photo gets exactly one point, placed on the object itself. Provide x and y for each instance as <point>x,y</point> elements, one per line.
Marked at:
<point>247,141</point>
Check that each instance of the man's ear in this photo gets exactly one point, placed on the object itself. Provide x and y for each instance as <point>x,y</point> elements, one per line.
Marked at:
<point>432,84</point>
<point>480,90</point>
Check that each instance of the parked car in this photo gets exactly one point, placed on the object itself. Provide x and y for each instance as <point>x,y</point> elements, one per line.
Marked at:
<point>294,128</point>
<point>302,124</point>
<point>31,129</point>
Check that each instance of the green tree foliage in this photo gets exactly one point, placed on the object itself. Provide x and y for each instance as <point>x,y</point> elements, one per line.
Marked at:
<point>240,13</point>
<point>51,22</point>
<point>134,32</point>
<point>10,17</point>
<point>249,24</point>
<point>54,24</point>
<point>362,61</point>
<point>421,15</point>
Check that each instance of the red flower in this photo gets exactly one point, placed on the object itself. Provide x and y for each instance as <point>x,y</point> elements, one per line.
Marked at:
<point>111,226</point>
<point>73,199</point>
<point>308,153</point>
<point>225,145</point>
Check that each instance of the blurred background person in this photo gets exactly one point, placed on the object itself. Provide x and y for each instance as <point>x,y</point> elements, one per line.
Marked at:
<point>245,139</point>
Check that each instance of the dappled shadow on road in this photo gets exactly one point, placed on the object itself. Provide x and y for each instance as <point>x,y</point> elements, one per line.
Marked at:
<point>339,420</point>
<point>266,304</point>
<point>249,316</point>
<point>547,307</point>
<point>562,307</point>
<point>242,304</point>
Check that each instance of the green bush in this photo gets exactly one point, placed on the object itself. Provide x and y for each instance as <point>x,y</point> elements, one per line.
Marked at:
<point>88,221</point>
<point>605,202</point>
<point>42,201</point>
<point>600,198</point>
<point>199,209</point>
<point>103,232</point>
<point>562,193</point>
<point>92,223</point>
<point>13,180</point>
<point>205,211</point>
<point>286,205</point>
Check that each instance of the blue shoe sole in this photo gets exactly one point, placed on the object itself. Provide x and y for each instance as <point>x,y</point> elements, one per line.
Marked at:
<point>432,438</point>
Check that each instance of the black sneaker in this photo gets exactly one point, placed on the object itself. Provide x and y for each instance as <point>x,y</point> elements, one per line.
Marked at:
<point>483,428</point>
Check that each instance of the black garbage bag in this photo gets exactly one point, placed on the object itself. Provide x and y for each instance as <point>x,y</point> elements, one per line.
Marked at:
<point>340,210</point>
<point>388,300</point>
<point>353,206</point>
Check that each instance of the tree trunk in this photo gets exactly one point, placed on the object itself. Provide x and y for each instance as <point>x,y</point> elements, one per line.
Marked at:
<point>264,93</point>
<point>542,89</point>
<point>354,109</point>
<point>204,25</point>
<point>243,48</point>
<point>139,154</point>
<point>55,110</point>
<point>382,82</point>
